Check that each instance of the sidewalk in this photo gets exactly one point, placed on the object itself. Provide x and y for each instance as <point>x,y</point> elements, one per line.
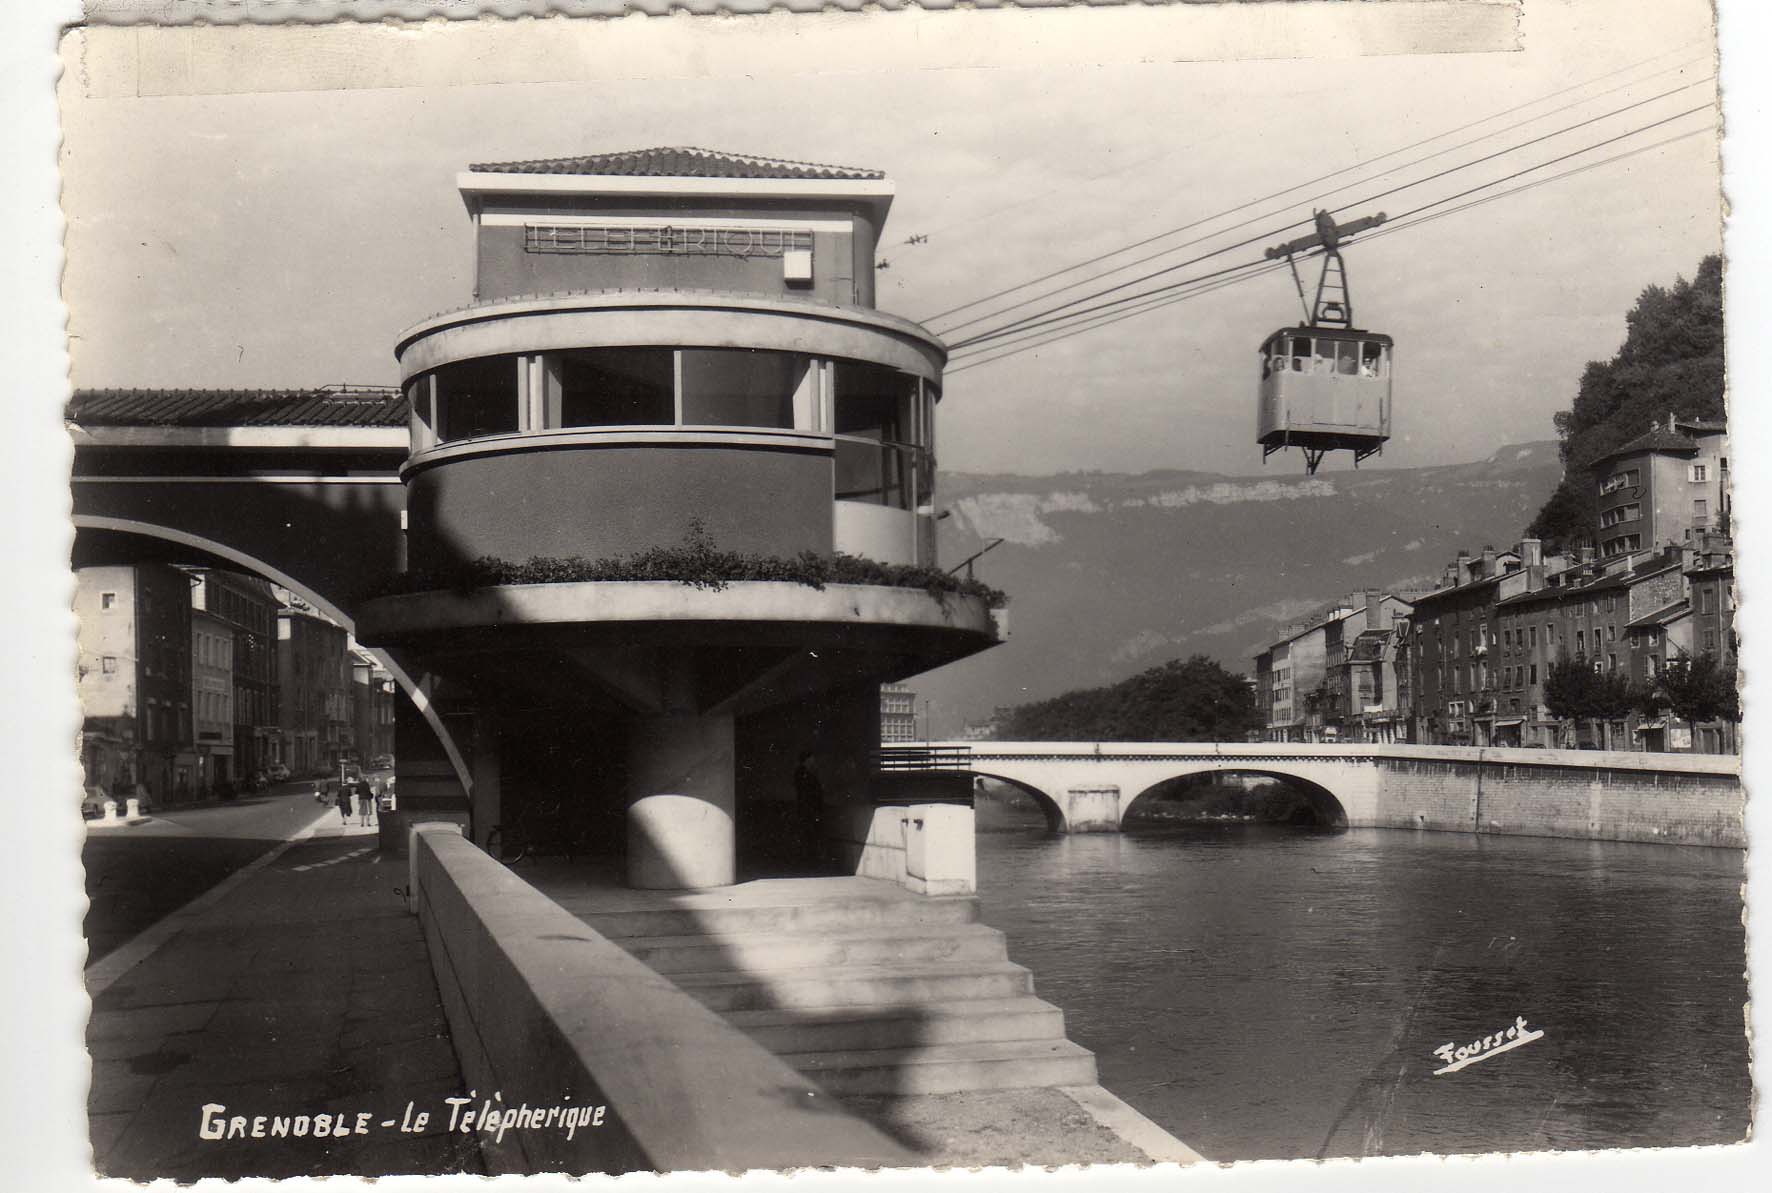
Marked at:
<point>305,990</point>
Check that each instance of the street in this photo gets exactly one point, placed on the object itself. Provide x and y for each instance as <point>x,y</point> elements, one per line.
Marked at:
<point>137,874</point>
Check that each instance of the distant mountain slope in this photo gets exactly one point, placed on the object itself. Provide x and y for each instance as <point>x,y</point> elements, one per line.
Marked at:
<point>1109,574</point>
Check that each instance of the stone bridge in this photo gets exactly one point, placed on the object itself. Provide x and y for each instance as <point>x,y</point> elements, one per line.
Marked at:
<point>1089,787</point>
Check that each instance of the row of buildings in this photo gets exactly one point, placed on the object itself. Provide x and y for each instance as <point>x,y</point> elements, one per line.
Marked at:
<point>194,681</point>
<point>1470,661</point>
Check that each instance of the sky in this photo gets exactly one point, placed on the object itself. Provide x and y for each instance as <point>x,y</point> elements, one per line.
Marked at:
<point>283,239</point>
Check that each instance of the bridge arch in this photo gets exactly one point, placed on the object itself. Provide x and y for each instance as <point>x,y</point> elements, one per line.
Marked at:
<point>1049,807</point>
<point>417,689</point>
<point>1325,808</point>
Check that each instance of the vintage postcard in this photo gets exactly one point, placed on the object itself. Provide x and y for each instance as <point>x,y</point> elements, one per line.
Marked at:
<point>904,589</point>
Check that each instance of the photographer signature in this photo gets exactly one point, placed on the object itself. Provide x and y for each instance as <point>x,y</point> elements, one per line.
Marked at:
<point>1458,1056</point>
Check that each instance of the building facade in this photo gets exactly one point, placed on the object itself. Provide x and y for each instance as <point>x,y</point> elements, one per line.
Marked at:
<point>134,642</point>
<point>372,697</point>
<point>313,666</point>
<point>898,713</point>
<point>212,702</point>
<point>1662,486</point>
<point>1312,687</point>
<point>248,606</point>
<point>671,354</point>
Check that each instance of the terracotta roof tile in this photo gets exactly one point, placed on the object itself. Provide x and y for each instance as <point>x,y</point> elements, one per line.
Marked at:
<point>677,161</point>
<point>1659,439</point>
<point>361,406</point>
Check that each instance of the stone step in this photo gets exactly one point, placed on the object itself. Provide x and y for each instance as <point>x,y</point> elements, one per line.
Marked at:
<point>756,952</point>
<point>836,915</point>
<point>856,986</point>
<point>949,1068</point>
<point>853,1029</point>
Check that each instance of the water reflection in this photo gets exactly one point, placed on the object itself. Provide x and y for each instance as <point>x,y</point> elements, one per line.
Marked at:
<point>1268,992</point>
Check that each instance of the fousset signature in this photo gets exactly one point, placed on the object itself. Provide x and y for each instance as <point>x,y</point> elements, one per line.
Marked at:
<point>1458,1056</point>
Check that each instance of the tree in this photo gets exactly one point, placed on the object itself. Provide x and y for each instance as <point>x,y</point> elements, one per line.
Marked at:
<point>1568,689</point>
<point>1695,690</point>
<point>1671,362</point>
<point>1191,700</point>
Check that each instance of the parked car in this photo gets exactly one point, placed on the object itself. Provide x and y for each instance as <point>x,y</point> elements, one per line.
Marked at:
<point>382,762</point>
<point>277,772</point>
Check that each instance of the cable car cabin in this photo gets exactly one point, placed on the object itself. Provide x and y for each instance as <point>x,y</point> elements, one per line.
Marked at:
<point>1325,389</point>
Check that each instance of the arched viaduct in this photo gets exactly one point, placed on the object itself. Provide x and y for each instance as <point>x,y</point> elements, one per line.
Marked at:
<point>1088,787</point>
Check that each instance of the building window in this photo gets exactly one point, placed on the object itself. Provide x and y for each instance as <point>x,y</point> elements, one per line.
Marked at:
<point>1611,633</point>
<point>1710,642</point>
<point>1700,512</point>
<point>107,600</point>
<point>1611,662</point>
<point>1619,480</point>
<point>477,398</point>
<point>1532,635</point>
<point>611,387</point>
<point>1580,642</point>
<point>733,387</point>
<point>108,664</point>
<point>1700,472</point>
<point>1620,513</point>
<point>1532,673</point>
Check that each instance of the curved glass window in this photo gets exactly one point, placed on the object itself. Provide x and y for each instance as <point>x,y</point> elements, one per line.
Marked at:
<point>739,387</point>
<point>476,397</point>
<point>611,387</point>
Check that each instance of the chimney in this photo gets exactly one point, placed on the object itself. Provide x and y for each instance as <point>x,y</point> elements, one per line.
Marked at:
<point>1488,560</point>
<point>1464,568</point>
<point>1374,609</point>
<point>1532,552</point>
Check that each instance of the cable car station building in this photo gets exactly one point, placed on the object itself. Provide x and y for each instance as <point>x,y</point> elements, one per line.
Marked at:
<point>666,349</point>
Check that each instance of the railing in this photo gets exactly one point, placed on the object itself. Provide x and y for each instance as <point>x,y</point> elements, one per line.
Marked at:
<point>924,758</point>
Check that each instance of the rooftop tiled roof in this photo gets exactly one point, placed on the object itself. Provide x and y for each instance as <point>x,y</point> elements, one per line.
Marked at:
<point>1658,439</point>
<point>363,406</point>
<point>677,161</point>
<point>1662,616</point>
<point>1702,424</point>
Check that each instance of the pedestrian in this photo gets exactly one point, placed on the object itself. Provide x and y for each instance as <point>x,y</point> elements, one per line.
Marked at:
<point>809,800</point>
<point>367,795</point>
<point>344,802</point>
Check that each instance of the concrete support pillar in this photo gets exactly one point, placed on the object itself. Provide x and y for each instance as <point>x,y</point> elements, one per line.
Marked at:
<point>1092,809</point>
<point>680,825</point>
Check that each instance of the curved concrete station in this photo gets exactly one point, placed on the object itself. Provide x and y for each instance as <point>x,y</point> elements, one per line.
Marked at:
<point>667,349</point>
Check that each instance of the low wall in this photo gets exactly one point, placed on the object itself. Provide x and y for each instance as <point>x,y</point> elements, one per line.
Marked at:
<point>1696,800</point>
<point>545,1012</point>
<point>927,848</point>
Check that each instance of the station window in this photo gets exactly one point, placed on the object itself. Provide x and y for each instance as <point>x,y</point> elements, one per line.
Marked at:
<point>611,387</point>
<point>477,398</point>
<point>733,387</point>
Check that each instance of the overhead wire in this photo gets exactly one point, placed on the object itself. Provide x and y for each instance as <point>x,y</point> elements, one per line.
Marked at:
<point>1040,316</point>
<point>1054,335</point>
<point>1361,165</point>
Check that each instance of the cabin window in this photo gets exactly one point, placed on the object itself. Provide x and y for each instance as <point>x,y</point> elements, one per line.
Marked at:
<point>1372,359</point>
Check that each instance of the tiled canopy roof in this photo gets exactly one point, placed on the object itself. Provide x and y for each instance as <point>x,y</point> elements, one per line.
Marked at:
<point>363,406</point>
<point>679,161</point>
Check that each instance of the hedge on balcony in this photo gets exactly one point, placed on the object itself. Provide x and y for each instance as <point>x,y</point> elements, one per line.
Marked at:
<point>699,564</point>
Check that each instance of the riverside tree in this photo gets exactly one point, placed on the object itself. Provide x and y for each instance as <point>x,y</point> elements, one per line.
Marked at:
<point>1181,700</point>
<point>1695,690</point>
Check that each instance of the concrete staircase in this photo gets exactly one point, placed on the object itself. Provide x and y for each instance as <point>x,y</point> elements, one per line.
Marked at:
<point>868,989</point>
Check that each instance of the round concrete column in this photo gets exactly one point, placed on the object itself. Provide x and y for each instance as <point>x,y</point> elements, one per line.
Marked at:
<point>680,832</point>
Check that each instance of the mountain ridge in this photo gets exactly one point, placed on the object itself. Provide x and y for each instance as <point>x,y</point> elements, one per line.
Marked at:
<point>1110,573</point>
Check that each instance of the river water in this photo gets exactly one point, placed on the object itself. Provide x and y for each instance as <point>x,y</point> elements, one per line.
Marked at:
<point>1265,992</point>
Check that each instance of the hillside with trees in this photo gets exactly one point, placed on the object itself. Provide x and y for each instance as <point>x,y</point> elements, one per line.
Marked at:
<point>1181,700</point>
<point>1671,362</point>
